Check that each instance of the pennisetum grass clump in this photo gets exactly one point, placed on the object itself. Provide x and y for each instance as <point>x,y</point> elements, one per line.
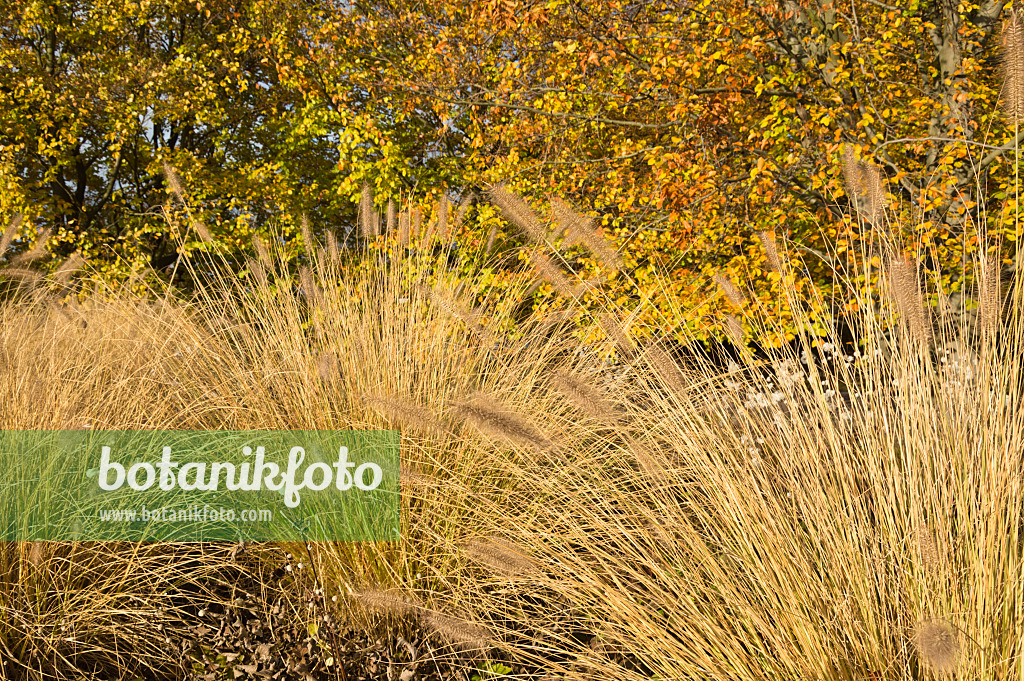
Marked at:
<point>794,497</point>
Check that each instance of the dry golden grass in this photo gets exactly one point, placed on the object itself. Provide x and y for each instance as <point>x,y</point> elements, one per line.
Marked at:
<point>852,519</point>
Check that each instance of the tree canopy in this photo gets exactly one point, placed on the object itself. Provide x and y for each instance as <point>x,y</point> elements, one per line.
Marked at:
<point>688,126</point>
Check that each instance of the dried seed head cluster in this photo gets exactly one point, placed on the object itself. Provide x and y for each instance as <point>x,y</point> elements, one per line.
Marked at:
<point>369,220</point>
<point>35,253</point>
<point>405,412</point>
<point>580,229</point>
<point>307,233</point>
<point>937,644</point>
<point>732,294</point>
<point>259,273</point>
<point>1012,43</point>
<point>174,181</point>
<point>648,463</point>
<point>667,369</point>
<point>309,287</point>
<point>502,556</point>
<point>586,398</point>
<point>384,602</point>
<point>261,250</point>
<point>63,273</point>
<point>10,232</point>
<point>553,274</point>
<point>458,630</point>
<point>492,418</point>
<point>928,547</point>
<point>404,229</point>
<point>332,246</point>
<point>771,250</point>
<point>906,293</point>
<point>990,294</point>
<point>35,554</point>
<point>464,205</point>
<point>864,186</point>
<point>327,367</point>
<point>618,335</point>
<point>390,217</point>
<point>441,217</point>
<point>734,329</point>
<point>518,212</point>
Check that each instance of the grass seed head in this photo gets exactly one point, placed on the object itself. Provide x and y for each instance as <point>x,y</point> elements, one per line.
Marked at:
<point>35,253</point>
<point>403,229</point>
<point>492,418</point>
<point>369,220</point>
<point>864,187</point>
<point>732,294</point>
<point>734,329</point>
<point>906,293</point>
<point>327,367</point>
<point>458,630</point>
<point>11,232</point>
<point>309,287</point>
<point>502,556</point>
<point>613,329</point>
<point>441,211</point>
<point>384,602</point>
<point>332,246</point>
<point>406,413</point>
<point>391,217</point>
<point>1012,62</point>
<point>937,644</point>
<point>261,251</point>
<point>518,212</point>
<point>580,229</point>
<point>990,297</point>
<point>72,264</point>
<point>771,250</point>
<point>554,275</point>
<point>583,395</point>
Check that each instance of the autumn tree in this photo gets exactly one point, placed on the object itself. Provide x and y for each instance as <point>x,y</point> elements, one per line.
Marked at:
<point>96,97</point>
<point>692,126</point>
